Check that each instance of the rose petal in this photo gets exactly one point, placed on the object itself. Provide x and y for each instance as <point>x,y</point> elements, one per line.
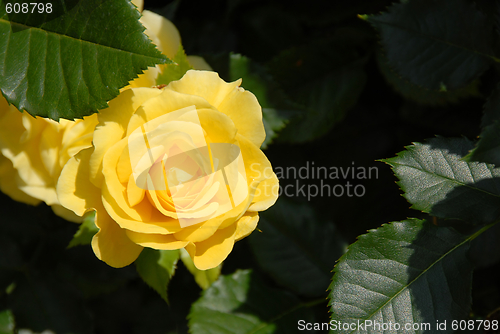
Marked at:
<point>241,106</point>
<point>114,192</point>
<point>246,225</point>
<point>66,214</point>
<point>111,244</point>
<point>146,79</point>
<point>44,193</point>
<point>156,241</point>
<point>205,230</point>
<point>258,167</point>
<point>165,103</point>
<point>74,190</point>
<point>199,63</point>
<point>9,183</point>
<point>77,136</point>
<point>113,123</point>
<point>162,32</point>
<point>211,252</point>
<point>134,194</point>
<point>114,198</point>
<point>265,195</point>
<point>219,127</point>
<point>139,4</point>
<point>50,143</point>
<point>205,84</point>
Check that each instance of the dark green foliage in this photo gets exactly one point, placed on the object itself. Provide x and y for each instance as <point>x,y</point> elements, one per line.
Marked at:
<point>69,63</point>
<point>307,252</point>
<point>406,273</point>
<point>487,148</point>
<point>242,303</point>
<point>436,180</point>
<point>156,268</point>
<point>175,71</point>
<point>440,45</point>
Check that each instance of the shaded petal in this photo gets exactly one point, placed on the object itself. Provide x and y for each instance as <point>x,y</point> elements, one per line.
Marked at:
<point>30,168</point>
<point>77,136</point>
<point>50,144</point>
<point>9,183</point>
<point>199,63</point>
<point>258,167</point>
<point>162,32</point>
<point>111,244</point>
<point>74,190</point>
<point>47,194</point>
<point>16,128</point>
<point>139,4</point>
<point>266,194</point>
<point>146,79</point>
<point>246,225</point>
<point>135,195</point>
<point>156,241</point>
<point>66,214</point>
<point>211,252</point>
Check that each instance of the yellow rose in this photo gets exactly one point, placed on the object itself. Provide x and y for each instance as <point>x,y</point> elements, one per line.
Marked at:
<point>9,183</point>
<point>33,153</point>
<point>171,168</point>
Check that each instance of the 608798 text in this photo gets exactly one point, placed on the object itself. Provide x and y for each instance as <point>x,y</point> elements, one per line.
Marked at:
<point>28,7</point>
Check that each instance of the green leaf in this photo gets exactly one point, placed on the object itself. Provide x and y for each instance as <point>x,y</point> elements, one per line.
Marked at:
<point>175,71</point>
<point>408,272</point>
<point>488,147</point>
<point>85,232</point>
<point>440,45</point>
<point>7,323</point>
<point>241,304</point>
<point>421,94</point>
<point>270,97</point>
<point>156,268</point>
<point>273,123</point>
<point>436,180</point>
<point>327,99</point>
<point>297,249</point>
<point>492,108</point>
<point>485,249</point>
<point>204,278</point>
<point>69,63</point>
